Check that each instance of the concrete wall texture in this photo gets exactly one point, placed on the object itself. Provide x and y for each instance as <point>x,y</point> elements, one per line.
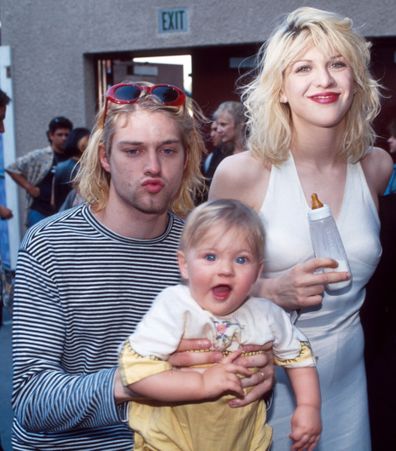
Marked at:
<point>51,39</point>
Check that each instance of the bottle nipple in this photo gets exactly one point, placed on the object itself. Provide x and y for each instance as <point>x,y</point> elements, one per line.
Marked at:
<point>315,202</point>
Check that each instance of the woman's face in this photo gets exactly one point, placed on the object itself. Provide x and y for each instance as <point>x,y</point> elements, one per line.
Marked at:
<point>318,88</point>
<point>226,127</point>
<point>82,144</point>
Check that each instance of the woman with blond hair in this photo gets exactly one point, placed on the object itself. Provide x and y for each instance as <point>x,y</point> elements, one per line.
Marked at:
<point>310,111</point>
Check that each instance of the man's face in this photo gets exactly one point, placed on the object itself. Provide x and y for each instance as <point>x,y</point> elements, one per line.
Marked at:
<point>146,162</point>
<point>214,134</point>
<point>58,139</point>
<point>2,117</point>
<point>392,144</point>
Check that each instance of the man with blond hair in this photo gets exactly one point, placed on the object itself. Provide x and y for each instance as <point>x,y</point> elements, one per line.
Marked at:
<point>86,277</point>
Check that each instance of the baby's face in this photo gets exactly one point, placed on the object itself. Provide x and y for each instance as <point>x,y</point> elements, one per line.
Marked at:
<point>220,270</point>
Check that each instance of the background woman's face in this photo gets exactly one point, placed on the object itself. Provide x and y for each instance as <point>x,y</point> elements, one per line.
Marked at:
<point>82,144</point>
<point>226,127</point>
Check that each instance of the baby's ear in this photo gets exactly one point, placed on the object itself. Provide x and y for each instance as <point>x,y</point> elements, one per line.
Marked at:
<point>181,258</point>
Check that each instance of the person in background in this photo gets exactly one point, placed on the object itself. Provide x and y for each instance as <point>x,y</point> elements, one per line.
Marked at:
<point>5,213</point>
<point>391,188</point>
<point>220,257</point>
<point>66,171</point>
<point>4,101</point>
<point>228,131</point>
<point>310,111</point>
<point>379,317</point>
<point>214,134</point>
<point>230,119</point>
<point>34,172</point>
<point>215,143</point>
<point>211,161</point>
<point>86,277</point>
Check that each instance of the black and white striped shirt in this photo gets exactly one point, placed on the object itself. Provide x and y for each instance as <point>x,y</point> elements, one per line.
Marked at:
<point>80,291</point>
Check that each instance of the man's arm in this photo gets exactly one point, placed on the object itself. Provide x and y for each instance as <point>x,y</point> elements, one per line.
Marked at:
<point>46,398</point>
<point>23,182</point>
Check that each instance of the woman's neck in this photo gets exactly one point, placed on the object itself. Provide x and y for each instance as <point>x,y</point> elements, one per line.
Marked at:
<point>319,145</point>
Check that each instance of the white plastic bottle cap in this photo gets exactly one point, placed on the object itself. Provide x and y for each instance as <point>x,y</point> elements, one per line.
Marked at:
<point>319,213</point>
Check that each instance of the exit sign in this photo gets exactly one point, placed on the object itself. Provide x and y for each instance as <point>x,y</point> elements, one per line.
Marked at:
<point>173,20</point>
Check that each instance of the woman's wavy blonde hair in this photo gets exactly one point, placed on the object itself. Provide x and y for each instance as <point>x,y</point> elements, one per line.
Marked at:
<point>93,181</point>
<point>269,120</point>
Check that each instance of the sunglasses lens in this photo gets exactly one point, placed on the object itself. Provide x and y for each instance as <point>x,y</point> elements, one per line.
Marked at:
<point>127,92</point>
<point>166,94</point>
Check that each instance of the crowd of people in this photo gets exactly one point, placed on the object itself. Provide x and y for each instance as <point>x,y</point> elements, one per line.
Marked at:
<point>212,303</point>
<point>47,174</point>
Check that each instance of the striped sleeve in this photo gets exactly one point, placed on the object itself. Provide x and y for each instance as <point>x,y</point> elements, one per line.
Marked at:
<point>46,398</point>
<point>80,291</point>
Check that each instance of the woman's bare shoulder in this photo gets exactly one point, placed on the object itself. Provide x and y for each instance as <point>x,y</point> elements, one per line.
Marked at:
<point>377,154</point>
<point>377,165</point>
<point>240,165</point>
<point>239,177</point>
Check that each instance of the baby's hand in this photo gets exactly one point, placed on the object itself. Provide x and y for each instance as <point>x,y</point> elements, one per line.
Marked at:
<point>223,377</point>
<point>306,428</point>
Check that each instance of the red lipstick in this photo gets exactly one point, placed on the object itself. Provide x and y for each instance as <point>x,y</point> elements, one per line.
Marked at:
<point>325,97</point>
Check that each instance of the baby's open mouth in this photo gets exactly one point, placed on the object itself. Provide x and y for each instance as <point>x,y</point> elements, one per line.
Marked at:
<point>221,292</point>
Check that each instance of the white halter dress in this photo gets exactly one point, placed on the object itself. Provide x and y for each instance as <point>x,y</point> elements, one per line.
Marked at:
<point>333,328</point>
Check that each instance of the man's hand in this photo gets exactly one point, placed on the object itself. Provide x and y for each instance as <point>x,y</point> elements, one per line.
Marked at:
<point>260,382</point>
<point>34,191</point>
<point>122,393</point>
<point>183,357</point>
<point>223,377</point>
<point>5,213</point>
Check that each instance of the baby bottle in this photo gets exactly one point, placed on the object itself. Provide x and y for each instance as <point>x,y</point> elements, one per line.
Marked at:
<point>326,240</point>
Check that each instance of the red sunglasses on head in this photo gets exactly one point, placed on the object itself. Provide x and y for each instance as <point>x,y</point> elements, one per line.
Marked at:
<point>127,93</point>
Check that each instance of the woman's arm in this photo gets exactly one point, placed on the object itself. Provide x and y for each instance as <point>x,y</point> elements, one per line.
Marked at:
<point>301,286</point>
<point>377,167</point>
<point>240,177</point>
